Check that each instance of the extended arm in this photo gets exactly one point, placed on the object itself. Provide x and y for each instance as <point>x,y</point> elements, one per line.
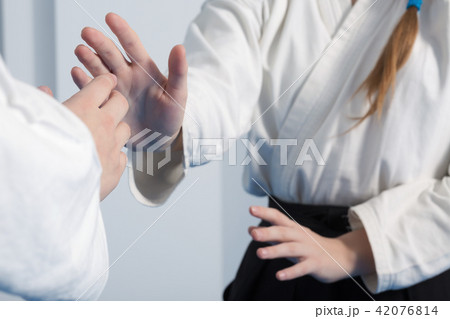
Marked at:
<point>219,91</point>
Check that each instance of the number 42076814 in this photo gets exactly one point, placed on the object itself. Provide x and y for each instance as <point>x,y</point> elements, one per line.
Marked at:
<point>407,310</point>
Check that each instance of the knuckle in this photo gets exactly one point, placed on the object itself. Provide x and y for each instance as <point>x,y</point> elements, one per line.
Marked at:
<point>116,96</point>
<point>279,233</point>
<point>126,106</point>
<point>271,252</point>
<point>119,97</point>
<point>123,131</point>
<point>122,100</point>
<point>302,269</point>
<point>313,266</point>
<point>117,161</point>
<point>91,60</point>
<point>129,43</point>
<point>95,67</point>
<point>308,266</point>
<point>106,53</point>
<point>105,80</point>
<point>127,129</point>
<point>277,216</point>
<point>269,233</point>
<point>291,249</point>
<point>261,234</point>
<point>123,161</point>
<point>289,273</point>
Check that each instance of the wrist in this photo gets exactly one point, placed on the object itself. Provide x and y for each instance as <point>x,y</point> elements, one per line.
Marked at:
<point>177,144</point>
<point>357,253</point>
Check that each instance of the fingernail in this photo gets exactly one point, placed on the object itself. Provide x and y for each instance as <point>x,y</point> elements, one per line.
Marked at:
<point>254,210</point>
<point>281,276</point>
<point>255,234</point>
<point>263,252</point>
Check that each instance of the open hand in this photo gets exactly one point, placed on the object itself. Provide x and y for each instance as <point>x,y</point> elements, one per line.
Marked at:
<point>156,102</point>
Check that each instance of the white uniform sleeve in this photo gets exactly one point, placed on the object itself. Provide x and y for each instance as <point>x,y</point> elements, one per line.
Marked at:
<point>409,232</point>
<point>224,84</point>
<point>52,238</point>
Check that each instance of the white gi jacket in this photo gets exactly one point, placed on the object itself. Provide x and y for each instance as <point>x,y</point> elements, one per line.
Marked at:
<point>393,173</point>
<point>52,238</point>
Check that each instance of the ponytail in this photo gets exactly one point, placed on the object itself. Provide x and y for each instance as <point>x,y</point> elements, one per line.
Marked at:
<point>396,53</point>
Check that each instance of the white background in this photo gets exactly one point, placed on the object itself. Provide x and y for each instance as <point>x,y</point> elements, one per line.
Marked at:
<point>193,252</point>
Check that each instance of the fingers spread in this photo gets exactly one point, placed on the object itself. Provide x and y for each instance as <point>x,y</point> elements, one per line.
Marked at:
<point>128,38</point>
<point>276,234</point>
<point>105,48</point>
<point>91,61</point>
<point>80,78</point>
<point>95,93</point>
<point>271,215</point>
<point>298,270</point>
<point>116,107</point>
<point>284,250</point>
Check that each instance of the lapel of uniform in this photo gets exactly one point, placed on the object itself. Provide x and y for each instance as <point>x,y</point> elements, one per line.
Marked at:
<point>360,39</point>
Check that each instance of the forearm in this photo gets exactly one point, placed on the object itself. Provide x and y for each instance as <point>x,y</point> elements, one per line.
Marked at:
<point>402,254</point>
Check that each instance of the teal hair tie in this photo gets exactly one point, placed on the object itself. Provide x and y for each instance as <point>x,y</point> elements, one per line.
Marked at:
<point>415,3</point>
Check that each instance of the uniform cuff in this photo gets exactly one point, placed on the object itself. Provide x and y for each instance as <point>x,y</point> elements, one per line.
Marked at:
<point>363,216</point>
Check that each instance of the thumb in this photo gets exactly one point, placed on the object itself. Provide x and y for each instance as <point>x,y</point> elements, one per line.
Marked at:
<point>46,89</point>
<point>178,70</point>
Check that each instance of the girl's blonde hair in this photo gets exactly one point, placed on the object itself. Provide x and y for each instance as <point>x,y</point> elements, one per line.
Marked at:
<point>381,81</point>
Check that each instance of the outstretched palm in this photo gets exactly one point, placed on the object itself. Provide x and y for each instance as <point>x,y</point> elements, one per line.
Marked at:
<point>156,102</point>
